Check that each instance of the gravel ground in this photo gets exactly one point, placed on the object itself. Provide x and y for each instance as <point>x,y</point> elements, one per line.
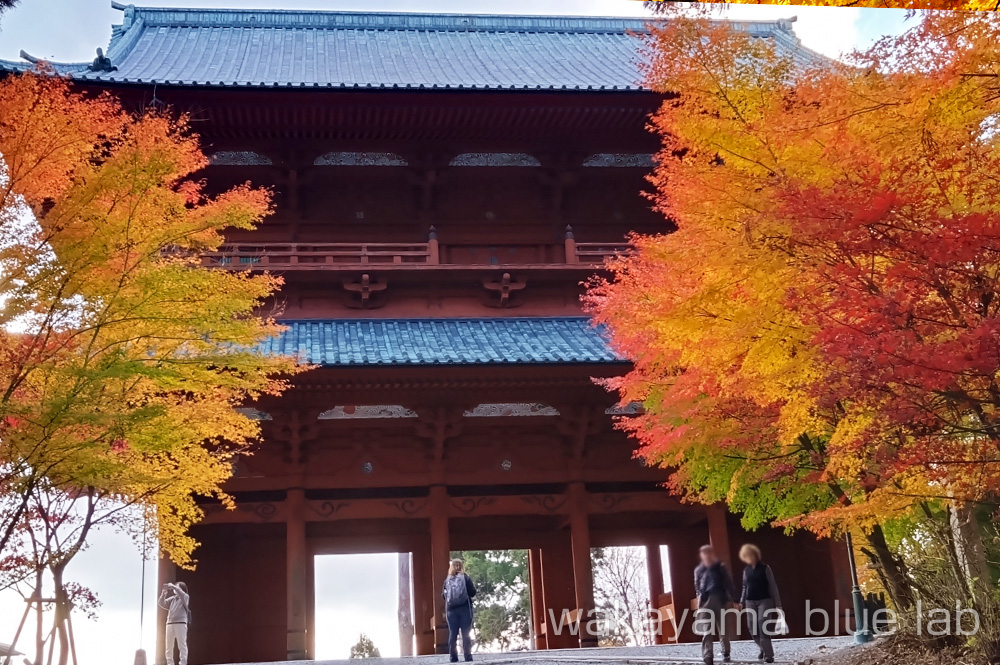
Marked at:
<point>902,650</point>
<point>786,651</point>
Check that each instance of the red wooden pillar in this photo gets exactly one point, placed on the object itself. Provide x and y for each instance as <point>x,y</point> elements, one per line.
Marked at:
<point>423,600</point>
<point>297,565</point>
<point>842,604</point>
<point>440,559</point>
<point>310,606</point>
<point>654,568</point>
<point>558,588</point>
<point>537,598</point>
<point>682,553</point>
<point>583,576</point>
<point>718,535</point>
<point>166,571</point>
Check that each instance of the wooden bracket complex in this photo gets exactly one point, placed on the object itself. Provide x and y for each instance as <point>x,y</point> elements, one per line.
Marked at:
<point>363,290</point>
<point>503,288</point>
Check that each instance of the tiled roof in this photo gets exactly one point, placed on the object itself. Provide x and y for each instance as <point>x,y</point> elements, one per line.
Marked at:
<point>326,49</point>
<point>508,341</point>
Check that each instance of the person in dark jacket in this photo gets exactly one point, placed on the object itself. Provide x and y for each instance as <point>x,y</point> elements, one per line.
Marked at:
<point>458,593</point>
<point>760,599</point>
<point>715,590</point>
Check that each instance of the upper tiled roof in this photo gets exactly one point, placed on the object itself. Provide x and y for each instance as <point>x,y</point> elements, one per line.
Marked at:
<point>378,50</point>
<point>352,342</point>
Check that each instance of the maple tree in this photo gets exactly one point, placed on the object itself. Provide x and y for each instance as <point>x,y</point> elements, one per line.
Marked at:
<point>122,359</point>
<point>816,343</point>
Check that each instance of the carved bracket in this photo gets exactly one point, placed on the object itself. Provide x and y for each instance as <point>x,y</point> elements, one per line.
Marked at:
<point>472,504</point>
<point>549,503</point>
<point>363,292</point>
<point>501,291</point>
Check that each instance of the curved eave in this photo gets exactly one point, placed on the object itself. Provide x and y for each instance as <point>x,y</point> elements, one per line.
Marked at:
<point>10,67</point>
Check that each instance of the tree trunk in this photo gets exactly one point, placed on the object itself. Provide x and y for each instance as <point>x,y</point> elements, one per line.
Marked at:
<point>954,562</point>
<point>39,621</point>
<point>404,613</point>
<point>893,570</point>
<point>969,551</point>
<point>60,619</point>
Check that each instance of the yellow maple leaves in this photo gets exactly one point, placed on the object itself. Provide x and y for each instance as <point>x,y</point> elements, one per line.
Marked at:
<point>122,358</point>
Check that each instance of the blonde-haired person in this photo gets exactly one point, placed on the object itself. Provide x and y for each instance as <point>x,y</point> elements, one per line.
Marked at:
<point>761,600</point>
<point>458,593</point>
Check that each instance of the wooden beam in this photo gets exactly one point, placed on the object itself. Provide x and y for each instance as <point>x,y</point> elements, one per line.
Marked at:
<point>420,507</point>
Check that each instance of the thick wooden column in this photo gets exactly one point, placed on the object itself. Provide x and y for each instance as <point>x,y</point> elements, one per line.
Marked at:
<point>166,571</point>
<point>583,575</point>
<point>297,565</point>
<point>404,610</point>
<point>558,587</point>
<point>718,535</point>
<point>537,598</point>
<point>654,569</point>
<point>440,559</point>
<point>423,600</point>
<point>682,553</point>
<point>310,606</point>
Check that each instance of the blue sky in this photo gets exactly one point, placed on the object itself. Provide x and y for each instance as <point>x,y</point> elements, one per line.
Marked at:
<point>71,30</point>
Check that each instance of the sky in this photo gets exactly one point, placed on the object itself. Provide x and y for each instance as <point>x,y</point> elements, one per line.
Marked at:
<point>71,30</point>
<point>360,593</point>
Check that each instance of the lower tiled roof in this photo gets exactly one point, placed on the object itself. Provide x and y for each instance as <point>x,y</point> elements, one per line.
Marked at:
<point>507,341</point>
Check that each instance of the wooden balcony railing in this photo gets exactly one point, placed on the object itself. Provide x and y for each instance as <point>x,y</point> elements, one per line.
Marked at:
<point>595,253</point>
<point>347,256</point>
<point>319,256</point>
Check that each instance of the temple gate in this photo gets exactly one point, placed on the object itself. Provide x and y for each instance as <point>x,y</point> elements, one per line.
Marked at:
<point>443,184</point>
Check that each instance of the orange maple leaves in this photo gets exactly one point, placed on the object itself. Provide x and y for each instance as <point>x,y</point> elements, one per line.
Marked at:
<point>817,341</point>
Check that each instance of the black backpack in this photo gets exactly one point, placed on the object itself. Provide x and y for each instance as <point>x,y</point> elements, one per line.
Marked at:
<point>455,592</point>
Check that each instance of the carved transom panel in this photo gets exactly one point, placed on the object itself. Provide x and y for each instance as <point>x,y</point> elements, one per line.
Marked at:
<point>254,414</point>
<point>360,159</point>
<point>494,159</point>
<point>510,409</point>
<point>238,158</point>
<point>352,411</point>
<point>619,160</point>
<point>630,409</point>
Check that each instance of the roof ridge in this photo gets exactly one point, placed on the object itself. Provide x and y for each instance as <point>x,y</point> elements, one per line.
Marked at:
<point>339,19</point>
<point>334,19</point>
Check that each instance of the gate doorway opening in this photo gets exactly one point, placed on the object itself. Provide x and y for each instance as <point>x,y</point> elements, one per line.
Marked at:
<point>502,620</point>
<point>628,587</point>
<point>358,595</point>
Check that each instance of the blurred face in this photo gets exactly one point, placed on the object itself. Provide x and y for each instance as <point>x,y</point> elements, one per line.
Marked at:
<point>749,558</point>
<point>708,557</point>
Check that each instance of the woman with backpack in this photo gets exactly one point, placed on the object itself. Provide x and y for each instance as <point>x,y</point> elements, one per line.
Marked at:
<point>458,593</point>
